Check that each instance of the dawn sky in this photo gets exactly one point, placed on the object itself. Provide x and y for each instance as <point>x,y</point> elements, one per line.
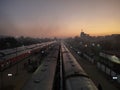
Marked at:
<point>59,18</point>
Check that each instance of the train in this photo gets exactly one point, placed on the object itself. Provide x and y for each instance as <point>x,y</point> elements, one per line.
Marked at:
<point>9,57</point>
<point>110,61</point>
<point>45,75</point>
<point>75,78</point>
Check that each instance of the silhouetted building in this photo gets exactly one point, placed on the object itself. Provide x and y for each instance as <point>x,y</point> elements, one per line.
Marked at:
<point>82,34</point>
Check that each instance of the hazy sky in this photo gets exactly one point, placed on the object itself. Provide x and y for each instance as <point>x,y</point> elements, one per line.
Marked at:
<point>61,18</point>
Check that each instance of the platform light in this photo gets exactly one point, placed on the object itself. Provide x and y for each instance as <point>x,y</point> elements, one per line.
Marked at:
<point>114,77</point>
<point>42,52</point>
<point>98,45</point>
<point>9,75</point>
<point>93,44</point>
<point>78,52</point>
<point>86,45</point>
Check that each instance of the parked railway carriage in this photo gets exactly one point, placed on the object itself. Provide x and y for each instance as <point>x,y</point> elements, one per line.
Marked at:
<point>74,76</point>
<point>11,56</point>
<point>43,78</point>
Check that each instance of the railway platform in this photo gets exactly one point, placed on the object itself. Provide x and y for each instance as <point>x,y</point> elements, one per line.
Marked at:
<point>96,75</point>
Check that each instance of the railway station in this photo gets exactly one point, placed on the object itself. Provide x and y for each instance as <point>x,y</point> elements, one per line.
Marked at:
<point>49,66</point>
<point>59,44</point>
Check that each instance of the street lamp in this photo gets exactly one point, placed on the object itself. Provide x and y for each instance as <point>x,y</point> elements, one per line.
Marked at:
<point>98,45</point>
<point>86,45</point>
<point>93,44</point>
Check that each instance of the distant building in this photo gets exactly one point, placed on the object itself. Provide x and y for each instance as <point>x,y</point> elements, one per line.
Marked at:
<point>84,35</point>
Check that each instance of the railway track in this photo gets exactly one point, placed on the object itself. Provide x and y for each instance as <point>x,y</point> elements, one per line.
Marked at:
<point>60,71</point>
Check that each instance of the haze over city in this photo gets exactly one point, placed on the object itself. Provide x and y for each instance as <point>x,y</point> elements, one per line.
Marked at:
<point>59,18</point>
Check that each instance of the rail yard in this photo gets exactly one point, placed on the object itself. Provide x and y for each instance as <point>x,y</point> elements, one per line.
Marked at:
<point>47,66</point>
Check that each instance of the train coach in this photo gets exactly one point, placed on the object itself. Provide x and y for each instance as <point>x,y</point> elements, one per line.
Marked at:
<point>44,77</point>
<point>11,56</point>
<point>75,77</point>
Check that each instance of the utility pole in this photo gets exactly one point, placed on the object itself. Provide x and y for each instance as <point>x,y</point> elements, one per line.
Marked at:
<point>16,63</point>
<point>1,79</point>
<point>1,71</point>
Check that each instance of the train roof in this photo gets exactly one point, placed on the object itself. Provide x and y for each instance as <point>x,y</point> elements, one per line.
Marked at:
<point>111,58</point>
<point>80,83</point>
<point>43,77</point>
